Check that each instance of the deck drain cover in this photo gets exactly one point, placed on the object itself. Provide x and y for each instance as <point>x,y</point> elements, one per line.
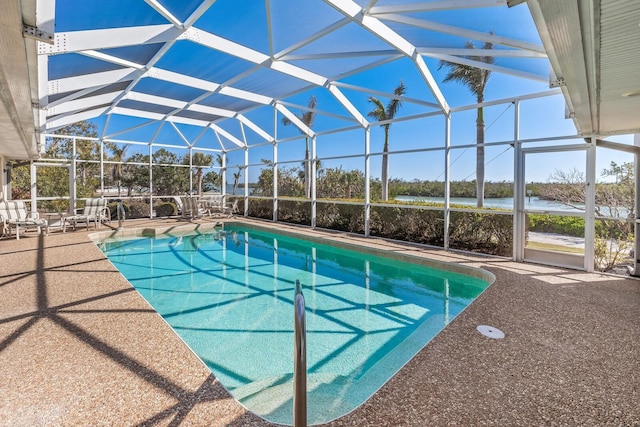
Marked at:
<point>490,331</point>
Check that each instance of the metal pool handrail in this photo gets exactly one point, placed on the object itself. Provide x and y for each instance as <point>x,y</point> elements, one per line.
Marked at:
<point>299,361</point>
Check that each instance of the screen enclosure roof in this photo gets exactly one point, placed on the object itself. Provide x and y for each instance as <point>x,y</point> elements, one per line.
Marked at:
<point>214,72</point>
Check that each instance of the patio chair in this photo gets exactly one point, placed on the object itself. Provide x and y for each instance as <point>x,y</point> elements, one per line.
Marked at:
<point>191,207</point>
<point>212,204</point>
<point>95,211</point>
<point>230,208</point>
<point>179,203</point>
<point>15,215</point>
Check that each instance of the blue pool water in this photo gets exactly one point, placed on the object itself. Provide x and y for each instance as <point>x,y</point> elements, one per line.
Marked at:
<point>229,295</point>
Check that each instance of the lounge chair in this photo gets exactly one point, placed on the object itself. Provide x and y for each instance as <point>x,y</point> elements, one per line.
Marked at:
<point>191,207</point>
<point>230,209</point>
<point>15,215</point>
<point>215,206</point>
<point>95,211</point>
<point>179,203</point>
<point>211,203</point>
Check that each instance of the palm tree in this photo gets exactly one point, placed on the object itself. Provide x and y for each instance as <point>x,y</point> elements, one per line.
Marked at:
<point>476,81</point>
<point>200,160</point>
<point>307,119</point>
<point>381,114</point>
<point>236,180</point>
<point>118,158</point>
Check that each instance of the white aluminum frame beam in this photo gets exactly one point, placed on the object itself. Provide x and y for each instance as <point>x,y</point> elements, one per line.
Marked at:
<point>65,120</point>
<point>435,6</point>
<point>94,80</point>
<point>339,55</point>
<point>237,50</point>
<point>254,127</point>
<point>375,26</point>
<point>164,12</point>
<point>315,110</point>
<point>295,120</point>
<point>184,138</point>
<point>385,94</point>
<point>491,67</point>
<point>158,116</point>
<point>323,32</point>
<point>342,99</point>
<point>129,129</point>
<point>82,104</point>
<point>79,41</point>
<point>219,131</point>
<point>463,32</point>
<point>509,53</point>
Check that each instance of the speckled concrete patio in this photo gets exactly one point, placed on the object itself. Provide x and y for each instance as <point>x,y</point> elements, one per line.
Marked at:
<point>79,346</point>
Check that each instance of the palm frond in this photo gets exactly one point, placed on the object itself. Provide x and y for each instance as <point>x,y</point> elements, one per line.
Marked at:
<point>379,111</point>
<point>473,77</point>
<point>395,104</point>
<point>286,121</point>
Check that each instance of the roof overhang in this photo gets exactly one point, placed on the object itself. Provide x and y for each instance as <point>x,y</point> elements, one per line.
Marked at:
<point>592,47</point>
<point>18,82</point>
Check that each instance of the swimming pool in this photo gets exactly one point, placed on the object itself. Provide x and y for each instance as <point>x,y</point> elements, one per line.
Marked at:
<point>229,294</point>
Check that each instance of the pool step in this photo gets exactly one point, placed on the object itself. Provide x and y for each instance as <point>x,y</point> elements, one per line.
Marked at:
<point>272,398</point>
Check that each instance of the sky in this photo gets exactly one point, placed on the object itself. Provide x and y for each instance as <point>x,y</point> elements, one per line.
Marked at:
<point>539,118</point>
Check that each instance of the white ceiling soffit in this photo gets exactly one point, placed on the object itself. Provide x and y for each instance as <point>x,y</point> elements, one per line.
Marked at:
<point>17,64</point>
<point>593,50</point>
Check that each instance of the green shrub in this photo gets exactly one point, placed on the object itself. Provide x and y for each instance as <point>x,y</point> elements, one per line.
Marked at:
<point>166,209</point>
<point>478,232</point>
<point>567,225</point>
<point>408,224</point>
<point>132,209</point>
<point>340,217</point>
<point>294,212</point>
<point>259,208</point>
<point>138,209</point>
<point>481,232</point>
<point>113,209</point>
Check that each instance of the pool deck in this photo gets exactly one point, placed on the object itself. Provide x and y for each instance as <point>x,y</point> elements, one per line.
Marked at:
<point>79,346</point>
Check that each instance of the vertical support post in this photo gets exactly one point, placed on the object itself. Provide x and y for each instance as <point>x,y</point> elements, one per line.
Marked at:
<point>275,182</point>
<point>313,181</point>
<point>636,228</point>
<point>518,188</point>
<point>246,178</point>
<point>367,181</point>
<point>447,179</point>
<point>34,187</point>
<point>5,192</point>
<point>223,175</point>
<point>150,169</point>
<point>151,214</point>
<point>102,166</point>
<point>590,207</point>
<point>274,202</point>
<point>191,171</point>
<point>299,361</point>
<point>73,193</point>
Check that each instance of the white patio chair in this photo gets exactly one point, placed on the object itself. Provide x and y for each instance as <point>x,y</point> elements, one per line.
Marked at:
<point>191,207</point>
<point>15,215</point>
<point>95,211</point>
<point>230,209</point>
